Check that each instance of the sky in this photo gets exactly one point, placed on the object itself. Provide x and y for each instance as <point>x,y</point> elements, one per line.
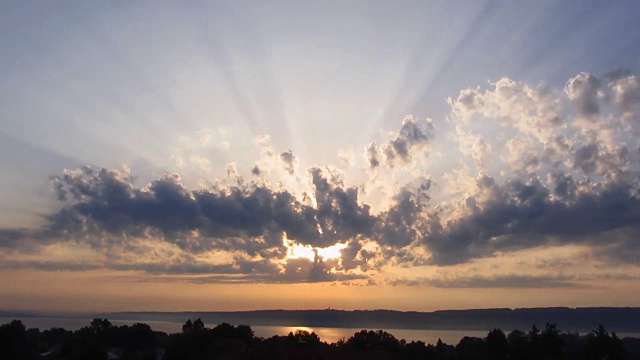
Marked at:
<point>300,155</point>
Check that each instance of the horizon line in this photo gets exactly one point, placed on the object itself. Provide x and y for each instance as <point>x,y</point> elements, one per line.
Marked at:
<point>50,312</point>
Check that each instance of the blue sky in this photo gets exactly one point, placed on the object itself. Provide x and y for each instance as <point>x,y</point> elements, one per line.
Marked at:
<point>425,119</point>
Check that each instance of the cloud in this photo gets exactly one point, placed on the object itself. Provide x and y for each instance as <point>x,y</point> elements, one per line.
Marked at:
<point>626,91</point>
<point>289,161</point>
<point>373,155</point>
<point>104,209</point>
<point>532,110</point>
<point>519,214</point>
<point>10,238</point>
<point>49,265</point>
<point>504,281</point>
<point>413,137</point>
<point>545,175</point>
<point>339,214</point>
<point>473,145</point>
<point>594,158</point>
<point>401,224</point>
<point>300,270</point>
<point>583,90</point>
<point>305,270</point>
<point>107,201</point>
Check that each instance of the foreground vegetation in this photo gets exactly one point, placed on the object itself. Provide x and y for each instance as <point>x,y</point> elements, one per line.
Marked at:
<point>102,340</point>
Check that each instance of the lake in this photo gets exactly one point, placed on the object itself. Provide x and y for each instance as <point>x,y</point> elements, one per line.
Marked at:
<point>327,334</point>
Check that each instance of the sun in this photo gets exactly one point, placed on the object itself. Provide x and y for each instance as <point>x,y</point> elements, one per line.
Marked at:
<point>297,251</point>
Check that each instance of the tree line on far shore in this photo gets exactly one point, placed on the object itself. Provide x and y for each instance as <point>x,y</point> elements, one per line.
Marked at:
<point>101,340</point>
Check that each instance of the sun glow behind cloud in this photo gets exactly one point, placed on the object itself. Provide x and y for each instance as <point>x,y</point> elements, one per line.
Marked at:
<point>297,251</point>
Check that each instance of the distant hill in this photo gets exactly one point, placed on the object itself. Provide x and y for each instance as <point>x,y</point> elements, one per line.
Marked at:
<point>625,319</point>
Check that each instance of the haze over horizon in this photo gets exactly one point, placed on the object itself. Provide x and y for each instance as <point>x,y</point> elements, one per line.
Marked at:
<point>359,155</point>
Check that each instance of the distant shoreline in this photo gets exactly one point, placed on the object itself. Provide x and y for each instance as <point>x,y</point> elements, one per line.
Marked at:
<point>621,319</point>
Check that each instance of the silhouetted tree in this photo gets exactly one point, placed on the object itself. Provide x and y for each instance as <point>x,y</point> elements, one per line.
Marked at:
<point>419,350</point>
<point>535,348</point>
<point>53,337</point>
<point>188,326</point>
<point>443,351</point>
<point>136,336</point>
<point>518,345</point>
<point>378,340</point>
<point>601,345</point>
<point>470,347</point>
<point>496,344</point>
<point>14,342</point>
<point>245,331</point>
<point>226,341</point>
<point>198,342</point>
<point>84,344</point>
<point>303,336</point>
<point>550,342</point>
<point>198,324</point>
<point>100,325</point>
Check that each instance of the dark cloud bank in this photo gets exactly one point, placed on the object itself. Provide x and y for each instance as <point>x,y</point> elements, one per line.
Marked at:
<point>591,197</point>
